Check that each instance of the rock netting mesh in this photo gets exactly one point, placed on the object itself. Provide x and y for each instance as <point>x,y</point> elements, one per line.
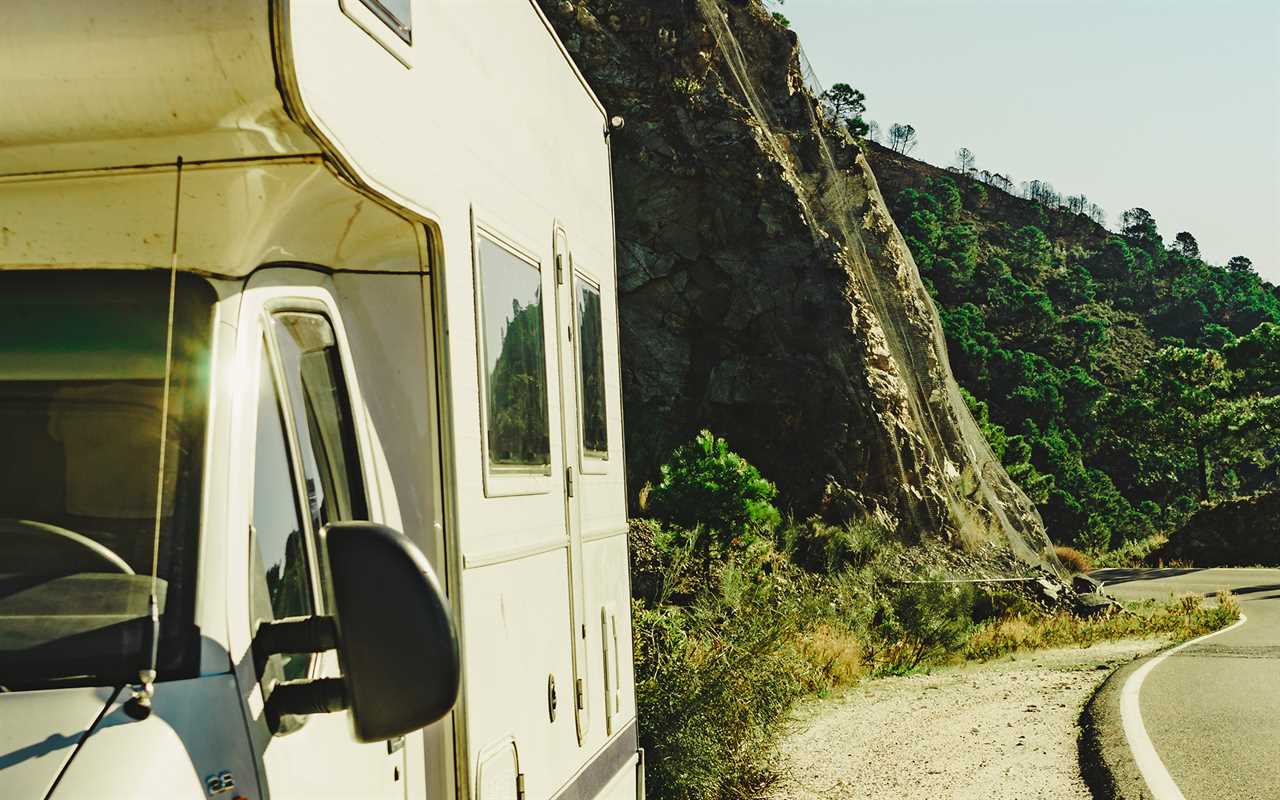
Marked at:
<point>765,291</point>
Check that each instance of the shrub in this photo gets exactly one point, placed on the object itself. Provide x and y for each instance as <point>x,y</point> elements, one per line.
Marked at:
<point>1132,553</point>
<point>821,547</point>
<point>714,683</point>
<point>998,601</point>
<point>1188,604</point>
<point>1073,559</point>
<point>708,488</point>
<point>1180,619</point>
<point>1228,603</point>
<point>1095,535</point>
<point>919,622</point>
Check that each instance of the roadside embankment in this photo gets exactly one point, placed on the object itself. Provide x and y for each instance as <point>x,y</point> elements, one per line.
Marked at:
<point>1005,729</point>
<point>1235,533</point>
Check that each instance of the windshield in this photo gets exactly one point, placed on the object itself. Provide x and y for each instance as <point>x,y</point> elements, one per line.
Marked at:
<point>81,379</point>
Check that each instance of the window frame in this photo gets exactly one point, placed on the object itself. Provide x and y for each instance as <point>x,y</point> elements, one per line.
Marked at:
<point>591,462</point>
<point>383,27</point>
<point>266,333</point>
<point>354,460</point>
<point>515,480</point>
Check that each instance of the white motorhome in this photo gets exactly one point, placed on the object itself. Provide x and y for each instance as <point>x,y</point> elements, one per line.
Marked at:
<point>309,406</point>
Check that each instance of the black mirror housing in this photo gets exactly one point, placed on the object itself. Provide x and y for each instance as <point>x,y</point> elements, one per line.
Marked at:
<point>396,642</point>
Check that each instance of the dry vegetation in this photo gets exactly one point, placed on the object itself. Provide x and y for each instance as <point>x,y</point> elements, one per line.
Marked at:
<point>1073,560</point>
<point>738,613</point>
<point>722,655</point>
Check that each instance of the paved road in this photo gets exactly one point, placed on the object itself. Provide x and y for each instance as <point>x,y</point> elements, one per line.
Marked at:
<point>1212,710</point>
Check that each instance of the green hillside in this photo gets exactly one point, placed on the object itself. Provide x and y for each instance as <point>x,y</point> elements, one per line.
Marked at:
<point>1121,379</point>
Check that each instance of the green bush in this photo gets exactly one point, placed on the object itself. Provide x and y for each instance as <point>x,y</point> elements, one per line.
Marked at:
<point>707,489</point>
<point>999,601</point>
<point>821,547</point>
<point>921,622</point>
<point>715,681</point>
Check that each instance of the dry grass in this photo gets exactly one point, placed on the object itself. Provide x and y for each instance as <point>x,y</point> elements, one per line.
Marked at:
<point>1188,604</point>
<point>1073,559</point>
<point>1183,618</point>
<point>1228,602</point>
<point>834,656</point>
<point>1131,554</point>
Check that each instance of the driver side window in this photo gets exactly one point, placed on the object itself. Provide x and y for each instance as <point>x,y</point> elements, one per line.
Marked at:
<point>306,428</point>
<point>281,574</point>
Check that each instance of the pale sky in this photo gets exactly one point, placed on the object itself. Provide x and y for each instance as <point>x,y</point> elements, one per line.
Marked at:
<point>1171,105</point>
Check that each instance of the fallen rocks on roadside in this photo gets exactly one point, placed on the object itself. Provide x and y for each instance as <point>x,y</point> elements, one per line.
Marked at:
<point>1084,584</point>
<point>1096,604</point>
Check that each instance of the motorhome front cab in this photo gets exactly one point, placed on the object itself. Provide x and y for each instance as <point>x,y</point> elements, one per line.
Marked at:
<point>308,340</point>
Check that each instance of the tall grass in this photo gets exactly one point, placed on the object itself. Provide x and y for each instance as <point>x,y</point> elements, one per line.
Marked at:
<point>734,619</point>
<point>723,655</point>
<point>1184,618</point>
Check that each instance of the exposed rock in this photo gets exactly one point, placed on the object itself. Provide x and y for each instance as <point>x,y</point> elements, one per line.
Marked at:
<point>1083,584</point>
<point>1096,604</point>
<point>765,291</point>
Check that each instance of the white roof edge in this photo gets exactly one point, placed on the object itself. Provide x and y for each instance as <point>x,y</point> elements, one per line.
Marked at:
<point>555,37</point>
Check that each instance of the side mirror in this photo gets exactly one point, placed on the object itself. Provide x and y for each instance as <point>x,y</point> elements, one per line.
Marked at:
<point>396,643</point>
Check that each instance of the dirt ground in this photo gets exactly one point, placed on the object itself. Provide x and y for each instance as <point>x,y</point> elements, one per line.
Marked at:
<point>996,731</point>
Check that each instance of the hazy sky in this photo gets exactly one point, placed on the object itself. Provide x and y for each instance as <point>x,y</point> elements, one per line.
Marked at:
<point>1172,105</point>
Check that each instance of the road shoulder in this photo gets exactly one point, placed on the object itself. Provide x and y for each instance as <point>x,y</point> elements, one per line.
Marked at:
<point>1005,729</point>
<point>1106,761</point>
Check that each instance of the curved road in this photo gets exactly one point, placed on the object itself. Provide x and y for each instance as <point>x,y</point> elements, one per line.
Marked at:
<point>1212,710</point>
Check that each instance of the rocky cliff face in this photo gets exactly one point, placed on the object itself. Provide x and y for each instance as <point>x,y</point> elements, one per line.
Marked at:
<point>765,291</point>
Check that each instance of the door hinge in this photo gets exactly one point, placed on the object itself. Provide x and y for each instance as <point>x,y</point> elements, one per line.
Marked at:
<point>559,268</point>
<point>568,480</point>
<point>520,786</point>
<point>580,693</point>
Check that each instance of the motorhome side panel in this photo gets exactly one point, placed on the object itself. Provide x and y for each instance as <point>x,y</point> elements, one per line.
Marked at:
<point>511,146</point>
<point>389,325</point>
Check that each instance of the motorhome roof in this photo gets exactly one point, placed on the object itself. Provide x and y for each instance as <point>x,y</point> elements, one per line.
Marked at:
<point>114,83</point>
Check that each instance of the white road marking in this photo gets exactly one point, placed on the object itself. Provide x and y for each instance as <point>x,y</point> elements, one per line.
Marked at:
<point>1158,779</point>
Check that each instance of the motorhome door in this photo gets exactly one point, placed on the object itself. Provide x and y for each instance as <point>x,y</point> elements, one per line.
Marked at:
<point>569,387</point>
<point>306,462</point>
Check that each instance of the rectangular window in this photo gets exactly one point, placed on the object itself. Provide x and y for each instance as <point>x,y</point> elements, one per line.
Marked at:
<point>595,422</point>
<point>395,14</point>
<point>514,359</point>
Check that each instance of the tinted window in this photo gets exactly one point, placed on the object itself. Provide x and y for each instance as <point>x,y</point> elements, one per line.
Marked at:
<point>396,15</point>
<point>514,358</point>
<point>281,576</point>
<point>82,367</point>
<point>322,415</point>
<point>595,428</point>
<point>322,412</point>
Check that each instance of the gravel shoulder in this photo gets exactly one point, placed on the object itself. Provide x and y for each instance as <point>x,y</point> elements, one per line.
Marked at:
<point>1005,729</point>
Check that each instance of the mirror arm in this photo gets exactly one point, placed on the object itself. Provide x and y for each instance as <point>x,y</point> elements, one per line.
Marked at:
<point>319,696</point>
<point>295,635</point>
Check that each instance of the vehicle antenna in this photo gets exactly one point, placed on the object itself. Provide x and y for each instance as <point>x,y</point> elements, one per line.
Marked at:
<point>139,705</point>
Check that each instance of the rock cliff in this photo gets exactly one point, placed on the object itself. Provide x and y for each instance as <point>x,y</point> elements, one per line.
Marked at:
<point>765,291</point>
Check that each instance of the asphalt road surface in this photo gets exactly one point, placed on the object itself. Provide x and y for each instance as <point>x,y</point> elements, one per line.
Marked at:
<point>1212,710</point>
